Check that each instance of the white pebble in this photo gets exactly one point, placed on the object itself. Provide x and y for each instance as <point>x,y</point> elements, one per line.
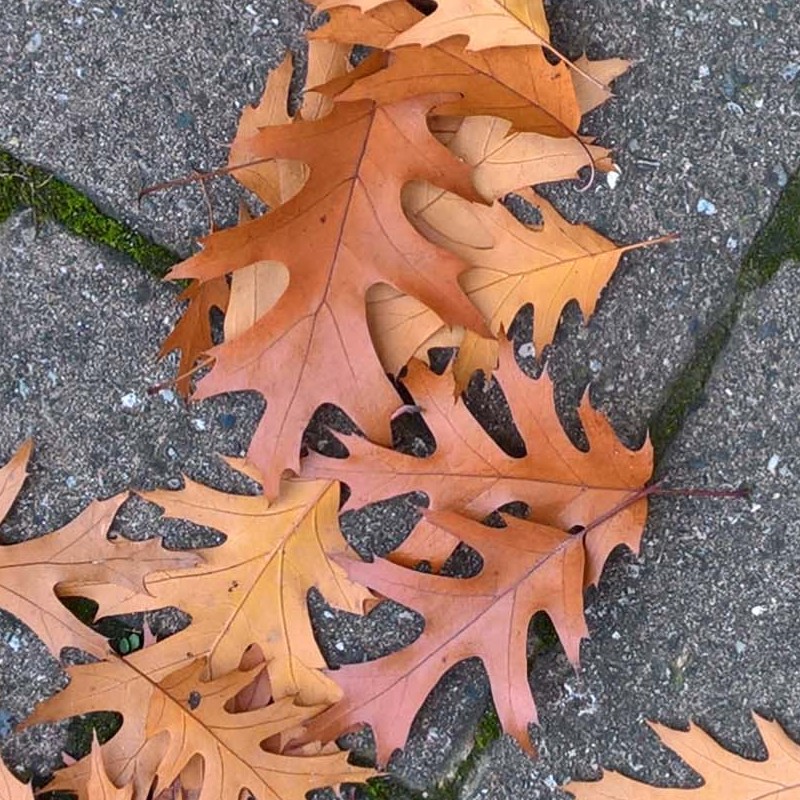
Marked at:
<point>130,400</point>
<point>706,207</point>
<point>198,424</point>
<point>167,395</point>
<point>758,611</point>
<point>732,243</point>
<point>526,350</point>
<point>612,179</point>
<point>339,646</point>
<point>34,43</point>
<point>703,71</point>
<point>740,647</point>
<point>772,464</point>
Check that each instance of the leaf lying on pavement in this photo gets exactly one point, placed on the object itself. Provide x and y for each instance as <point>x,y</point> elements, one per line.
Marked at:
<point>724,774</point>
<point>168,722</point>
<point>32,573</point>
<point>11,788</point>
<point>259,577</point>
<point>342,233</point>
<point>526,568</point>
<point>563,486</point>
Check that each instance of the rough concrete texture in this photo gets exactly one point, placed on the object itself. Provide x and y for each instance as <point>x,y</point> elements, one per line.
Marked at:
<point>116,96</point>
<point>702,626</point>
<point>78,336</point>
<point>705,129</point>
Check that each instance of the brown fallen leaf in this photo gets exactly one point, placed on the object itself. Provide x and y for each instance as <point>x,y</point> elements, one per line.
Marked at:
<point>79,554</point>
<point>192,332</point>
<point>526,568</point>
<point>99,786</point>
<point>563,486</point>
<point>167,723</point>
<point>517,84</point>
<point>485,23</point>
<point>343,232</point>
<point>511,265</point>
<point>260,576</point>
<point>11,788</point>
<point>724,774</point>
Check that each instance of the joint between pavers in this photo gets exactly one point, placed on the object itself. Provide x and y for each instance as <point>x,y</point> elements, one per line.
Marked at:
<point>777,243</point>
<point>26,186</point>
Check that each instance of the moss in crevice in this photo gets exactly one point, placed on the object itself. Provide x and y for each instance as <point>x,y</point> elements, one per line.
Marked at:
<point>388,788</point>
<point>777,243</point>
<point>25,186</point>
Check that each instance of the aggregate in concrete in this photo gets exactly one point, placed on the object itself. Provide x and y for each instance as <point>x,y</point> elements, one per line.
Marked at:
<point>118,95</point>
<point>703,626</point>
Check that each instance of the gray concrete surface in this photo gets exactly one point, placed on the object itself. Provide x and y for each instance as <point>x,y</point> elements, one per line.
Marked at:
<point>704,625</point>
<point>117,95</point>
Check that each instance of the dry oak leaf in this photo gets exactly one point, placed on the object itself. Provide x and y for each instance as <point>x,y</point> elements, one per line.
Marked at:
<point>724,773</point>
<point>33,573</point>
<point>485,23</point>
<point>468,472</point>
<point>192,332</point>
<point>99,786</point>
<point>167,723</point>
<point>517,84</point>
<point>342,233</point>
<point>511,265</point>
<point>526,568</point>
<point>259,578</point>
<point>11,788</point>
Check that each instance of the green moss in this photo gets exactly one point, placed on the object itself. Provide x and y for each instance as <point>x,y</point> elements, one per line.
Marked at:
<point>25,186</point>
<point>778,242</point>
<point>388,788</point>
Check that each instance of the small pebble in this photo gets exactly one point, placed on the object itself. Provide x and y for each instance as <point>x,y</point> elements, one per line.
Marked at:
<point>732,243</point>
<point>34,43</point>
<point>71,482</point>
<point>758,611</point>
<point>167,395</point>
<point>706,207</point>
<point>772,464</point>
<point>703,71</point>
<point>781,176</point>
<point>595,365</point>
<point>226,421</point>
<point>130,401</point>
<point>790,72</point>
<point>198,424</point>
<point>612,179</point>
<point>339,646</point>
<point>527,350</point>
<point>740,647</point>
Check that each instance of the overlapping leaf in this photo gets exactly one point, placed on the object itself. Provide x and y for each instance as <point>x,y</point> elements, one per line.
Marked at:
<point>32,573</point>
<point>526,568</point>
<point>167,723</point>
<point>342,233</point>
<point>724,774</point>
<point>564,486</point>
<point>259,578</point>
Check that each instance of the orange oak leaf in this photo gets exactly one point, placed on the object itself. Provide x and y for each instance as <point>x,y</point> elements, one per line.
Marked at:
<point>11,788</point>
<point>563,486</point>
<point>99,786</point>
<point>517,84</point>
<point>511,265</point>
<point>526,568</point>
<point>259,578</point>
<point>485,23</point>
<point>167,723</point>
<point>192,332</point>
<point>342,233</point>
<point>724,774</point>
<point>33,572</point>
